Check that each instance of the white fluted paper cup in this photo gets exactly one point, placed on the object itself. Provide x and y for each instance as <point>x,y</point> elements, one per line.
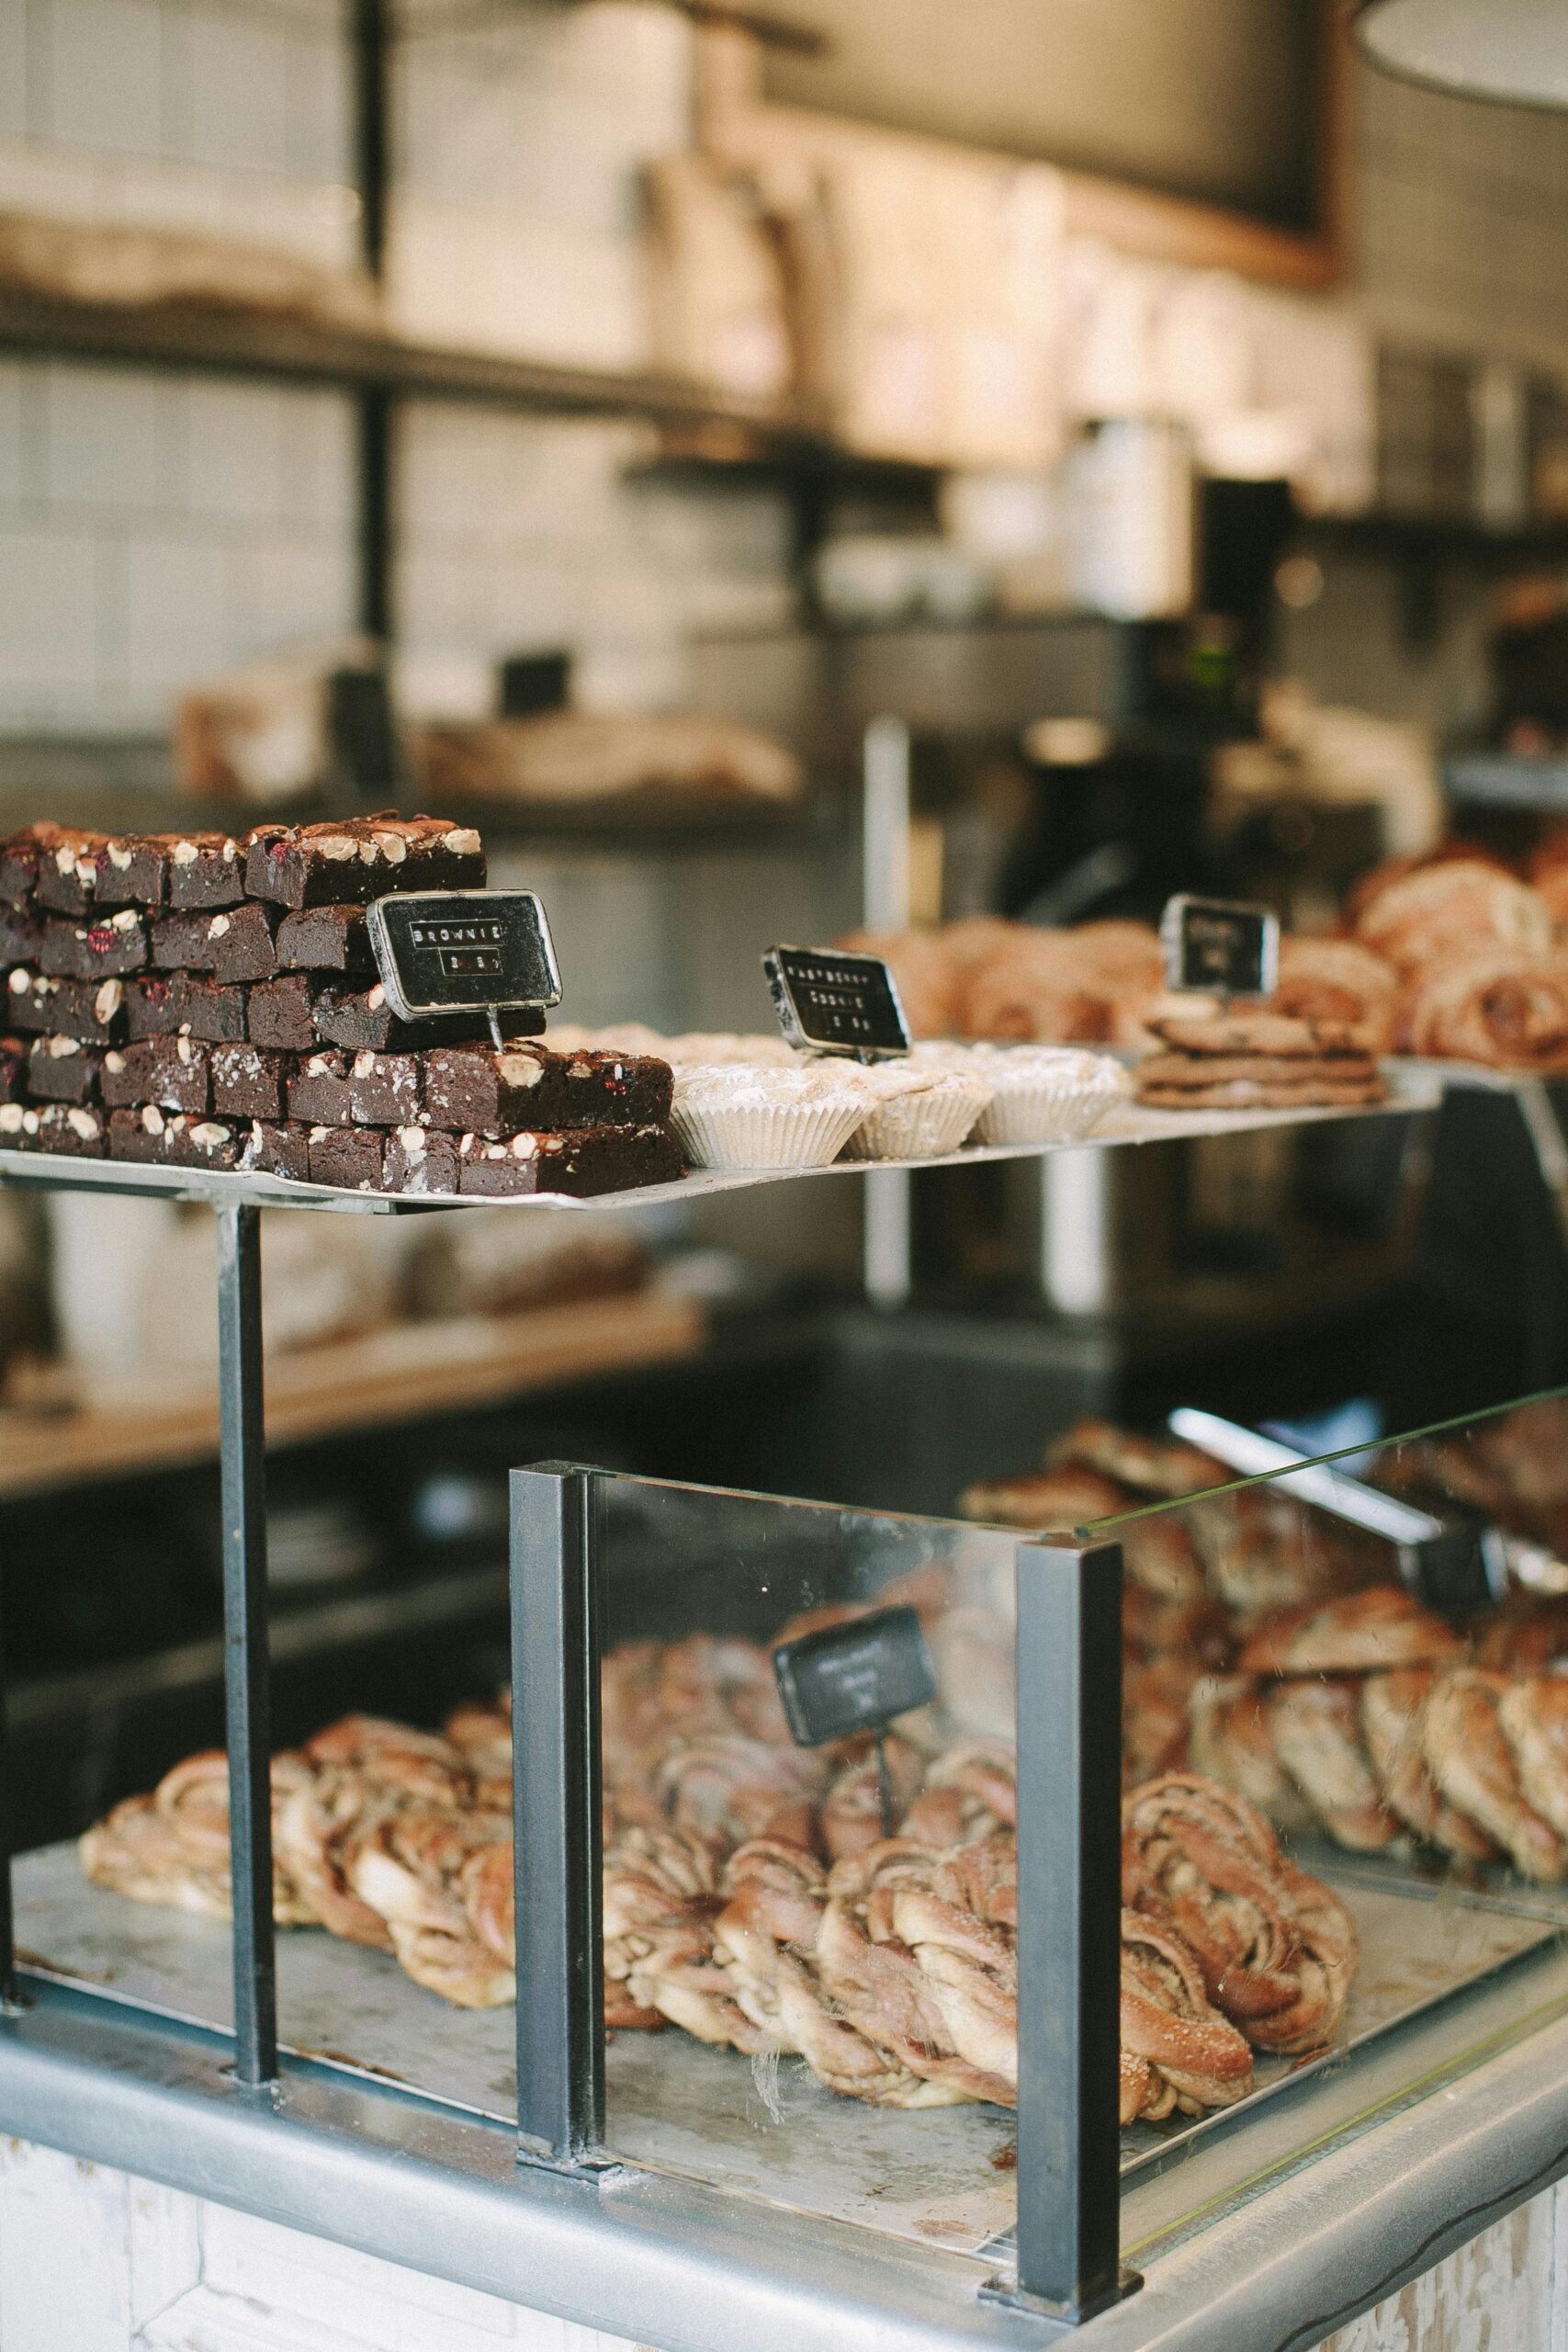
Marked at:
<point>1048,1094</point>
<point>740,1116</point>
<point>918,1112</point>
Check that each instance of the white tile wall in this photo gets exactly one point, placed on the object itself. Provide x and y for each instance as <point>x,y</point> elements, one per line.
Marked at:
<point>190,114</point>
<point>152,530</point>
<point>522,533</point>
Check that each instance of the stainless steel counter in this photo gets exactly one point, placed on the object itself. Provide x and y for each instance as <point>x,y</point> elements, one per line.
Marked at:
<point>1257,2239</point>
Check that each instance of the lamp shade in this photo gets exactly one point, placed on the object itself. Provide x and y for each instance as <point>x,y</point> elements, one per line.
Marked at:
<point>1515,51</point>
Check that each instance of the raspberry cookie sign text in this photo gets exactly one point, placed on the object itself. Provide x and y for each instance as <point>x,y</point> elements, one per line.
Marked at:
<point>829,1001</point>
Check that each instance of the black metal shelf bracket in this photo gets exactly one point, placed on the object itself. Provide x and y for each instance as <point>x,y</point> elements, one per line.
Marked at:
<point>557,1827</point>
<point>1069,1933</point>
<point>246,1674</point>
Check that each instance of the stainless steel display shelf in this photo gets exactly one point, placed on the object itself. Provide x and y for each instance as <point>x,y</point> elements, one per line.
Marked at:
<point>1413,1086</point>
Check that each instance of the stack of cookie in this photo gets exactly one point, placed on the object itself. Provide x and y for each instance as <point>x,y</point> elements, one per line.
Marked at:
<point>199,1000</point>
<point>1257,1061</point>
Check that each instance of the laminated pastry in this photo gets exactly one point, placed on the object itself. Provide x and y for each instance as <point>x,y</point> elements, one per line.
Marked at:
<point>1420,919</point>
<point>1339,980</point>
<point>1533,1714</point>
<point>1469,1757</point>
<point>361,858</point>
<point>173,1072</point>
<point>1362,1633</point>
<point>492,1091</point>
<point>1499,1006</point>
<point>1277,1950</point>
<point>1177,2053</point>
<point>1316,1728</point>
<point>1394,1726</point>
<point>740,1116</point>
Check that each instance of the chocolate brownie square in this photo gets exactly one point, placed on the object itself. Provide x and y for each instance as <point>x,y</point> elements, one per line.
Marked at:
<point>29,999</point>
<point>490,1089</point>
<point>106,949</point>
<point>68,875</point>
<point>171,1139</point>
<point>281,1012</point>
<point>21,935</point>
<point>173,1072</point>
<point>363,858</point>
<point>321,1093</point>
<point>91,1011</point>
<point>384,1089</point>
<point>206,870</point>
<point>348,1155</point>
<point>247,1082</point>
<point>362,1022</point>
<point>62,1070</point>
<point>235,944</point>
<point>73,1129</point>
<point>214,1011</point>
<point>421,1159</point>
<point>18,1127</point>
<point>274,1149</point>
<point>584,1161</point>
<point>134,871</point>
<point>21,861</point>
<point>327,939</point>
<point>13,1069</point>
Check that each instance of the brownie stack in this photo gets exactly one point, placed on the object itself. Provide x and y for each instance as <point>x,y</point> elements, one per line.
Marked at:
<point>198,1001</point>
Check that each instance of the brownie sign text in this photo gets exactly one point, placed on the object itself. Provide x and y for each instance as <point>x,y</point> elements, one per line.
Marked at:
<point>464,951</point>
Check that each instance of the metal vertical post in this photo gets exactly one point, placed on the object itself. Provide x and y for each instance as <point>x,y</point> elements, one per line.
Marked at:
<point>885,906</point>
<point>8,1998</point>
<point>246,1694</point>
<point>556,1823</point>
<point>1069,1901</point>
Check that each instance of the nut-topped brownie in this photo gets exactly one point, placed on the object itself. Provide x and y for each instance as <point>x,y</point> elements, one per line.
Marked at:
<point>361,858</point>
<point>490,1089</point>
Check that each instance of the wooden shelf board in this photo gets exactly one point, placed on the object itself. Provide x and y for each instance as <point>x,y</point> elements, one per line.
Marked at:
<point>402,1373</point>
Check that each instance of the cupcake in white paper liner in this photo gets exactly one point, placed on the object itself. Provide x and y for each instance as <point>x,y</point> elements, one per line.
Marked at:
<point>1045,1093</point>
<point>918,1112</point>
<point>739,1115</point>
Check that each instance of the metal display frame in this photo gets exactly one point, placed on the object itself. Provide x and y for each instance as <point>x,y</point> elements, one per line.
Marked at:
<point>1068,1657</point>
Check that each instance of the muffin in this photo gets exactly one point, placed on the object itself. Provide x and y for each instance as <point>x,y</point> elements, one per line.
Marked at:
<point>1045,1093</point>
<point>753,1115</point>
<point>919,1111</point>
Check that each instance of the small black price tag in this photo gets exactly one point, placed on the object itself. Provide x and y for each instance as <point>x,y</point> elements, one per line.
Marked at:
<point>1219,948</point>
<point>835,1002</point>
<point>855,1676</point>
<point>464,951</point>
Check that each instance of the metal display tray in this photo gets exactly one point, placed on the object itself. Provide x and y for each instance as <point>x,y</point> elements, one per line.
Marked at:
<point>1413,1086</point>
<point>764,2129</point>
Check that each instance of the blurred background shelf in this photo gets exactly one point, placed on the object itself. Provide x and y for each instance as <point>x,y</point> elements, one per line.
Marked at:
<point>408,1371</point>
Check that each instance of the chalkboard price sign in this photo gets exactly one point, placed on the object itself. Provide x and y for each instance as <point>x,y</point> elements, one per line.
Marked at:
<point>855,1676</point>
<point>832,1001</point>
<point>464,951</point>
<point>1221,948</point>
